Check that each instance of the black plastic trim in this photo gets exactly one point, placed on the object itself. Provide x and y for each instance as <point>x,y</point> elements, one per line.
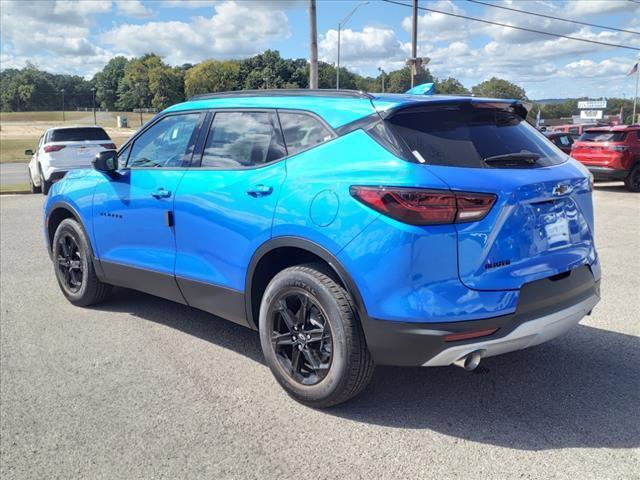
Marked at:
<point>413,344</point>
<point>155,283</point>
<point>298,242</point>
<point>61,205</point>
<point>604,173</point>
<point>215,299</point>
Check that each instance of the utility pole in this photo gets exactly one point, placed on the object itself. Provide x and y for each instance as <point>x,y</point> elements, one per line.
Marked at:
<point>63,119</point>
<point>93,91</point>
<point>414,42</point>
<point>313,40</point>
<point>382,77</point>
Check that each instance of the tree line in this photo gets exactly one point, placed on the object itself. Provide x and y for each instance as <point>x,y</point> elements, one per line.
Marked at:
<point>148,82</point>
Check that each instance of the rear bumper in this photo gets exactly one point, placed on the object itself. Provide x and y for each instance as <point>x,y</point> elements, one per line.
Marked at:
<point>546,308</point>
<point>606,173</point>
<point>53,174</point>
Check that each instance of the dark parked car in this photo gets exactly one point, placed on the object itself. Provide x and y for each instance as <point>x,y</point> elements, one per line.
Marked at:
<point>562,140</point>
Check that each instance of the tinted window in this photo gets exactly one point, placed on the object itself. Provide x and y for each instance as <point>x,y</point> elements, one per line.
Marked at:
<point>603,137</point>
<point>243,139</point>
<point>465,137</point>
<point>302,131</point>
<point>165,143</point>
<point>77,135</point>
<point>564,141</point>
<point>573,130</point>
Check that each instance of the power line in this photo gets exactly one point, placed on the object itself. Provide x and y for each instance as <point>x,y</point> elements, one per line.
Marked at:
<point>554,18</point>
<point>541,32</point>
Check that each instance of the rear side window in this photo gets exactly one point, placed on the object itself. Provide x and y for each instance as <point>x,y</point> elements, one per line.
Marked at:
<point>603,137</point>
<point>466,136</point>
<point>243,139</point>
<point>302,131</point>
<point>77,135</point>
<point>564,141</point>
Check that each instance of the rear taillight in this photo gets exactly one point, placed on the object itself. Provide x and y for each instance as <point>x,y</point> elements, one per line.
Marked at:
<point>418,206</point>
<point>53,148</point>
<point>618,148</point>
<point>108,146</point>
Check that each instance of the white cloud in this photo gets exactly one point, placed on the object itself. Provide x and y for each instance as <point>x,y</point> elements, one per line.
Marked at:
<point>133,8</point>
<point>436,27</point>
<point>236,29</point>
<point>578,8</point>
<point>369,45</point>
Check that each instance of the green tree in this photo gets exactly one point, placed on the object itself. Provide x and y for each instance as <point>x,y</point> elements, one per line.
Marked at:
<point>450,85</point>
<point>212,76</point>
<point>399,81</point>
<point>166,84</point>
<point>499,88</point>
<point>134,90</point>
<point>107,82</point>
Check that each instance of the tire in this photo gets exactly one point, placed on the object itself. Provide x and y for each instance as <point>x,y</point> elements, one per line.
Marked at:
<point>44,185</point>
<point>32,186</point>
<point>632,182</point>
<point>326,333</point>
<point>73,266</point>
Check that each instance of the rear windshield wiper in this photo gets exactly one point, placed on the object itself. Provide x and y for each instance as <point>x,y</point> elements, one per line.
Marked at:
<point>513,159</point>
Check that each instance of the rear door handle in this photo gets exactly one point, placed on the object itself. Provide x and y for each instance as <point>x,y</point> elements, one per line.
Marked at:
<point>161,193</point>
<point>260,191</point>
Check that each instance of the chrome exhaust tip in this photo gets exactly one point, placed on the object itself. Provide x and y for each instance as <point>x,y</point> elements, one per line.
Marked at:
<point>470,361</point>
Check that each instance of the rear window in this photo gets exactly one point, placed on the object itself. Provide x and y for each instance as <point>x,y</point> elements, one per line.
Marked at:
<point>603,137</point>
<point>466,136</point>
<point>78,135</point>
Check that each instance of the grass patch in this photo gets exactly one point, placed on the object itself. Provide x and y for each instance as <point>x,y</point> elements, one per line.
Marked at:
<point>12,149</point>
<point>17,188</point>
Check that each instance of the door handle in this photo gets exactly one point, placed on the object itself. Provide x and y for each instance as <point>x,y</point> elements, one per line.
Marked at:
<point>260,191</point>
<point>161,193</point>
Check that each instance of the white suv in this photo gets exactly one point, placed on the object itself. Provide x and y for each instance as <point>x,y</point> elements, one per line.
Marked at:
<point>61,149</point>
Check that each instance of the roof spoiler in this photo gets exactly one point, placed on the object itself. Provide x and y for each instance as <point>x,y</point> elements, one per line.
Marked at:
<point>518,107</point>
<point>422,89</point>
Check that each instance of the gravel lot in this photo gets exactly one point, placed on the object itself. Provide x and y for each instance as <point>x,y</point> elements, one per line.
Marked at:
<point>144,388</point>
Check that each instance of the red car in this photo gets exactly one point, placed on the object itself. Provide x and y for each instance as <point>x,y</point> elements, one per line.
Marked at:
<point>611,153</point>
<point>562,140</point>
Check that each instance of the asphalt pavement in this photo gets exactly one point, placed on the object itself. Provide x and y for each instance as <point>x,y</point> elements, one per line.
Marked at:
<point>140,387</point>
<point>14,174</point>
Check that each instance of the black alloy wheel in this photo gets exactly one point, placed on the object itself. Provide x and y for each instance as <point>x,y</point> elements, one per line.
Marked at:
<point>69,263</point>
<point>301,336</point>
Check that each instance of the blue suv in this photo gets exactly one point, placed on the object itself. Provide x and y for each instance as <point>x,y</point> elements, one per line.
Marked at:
<point>350,229</point>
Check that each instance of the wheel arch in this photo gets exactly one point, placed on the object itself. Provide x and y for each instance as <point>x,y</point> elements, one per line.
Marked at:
<point>283,252</point>
<point>58,212</point>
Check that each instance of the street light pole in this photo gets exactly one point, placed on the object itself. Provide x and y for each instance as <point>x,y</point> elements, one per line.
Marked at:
<point>93,91</point>
<point>63,119</point>
<point>340,25</point>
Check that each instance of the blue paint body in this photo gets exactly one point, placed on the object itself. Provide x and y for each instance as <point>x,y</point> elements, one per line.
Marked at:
<point>402,272</point>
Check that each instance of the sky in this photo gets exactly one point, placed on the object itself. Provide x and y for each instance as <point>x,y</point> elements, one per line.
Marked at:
<point>79,37</point>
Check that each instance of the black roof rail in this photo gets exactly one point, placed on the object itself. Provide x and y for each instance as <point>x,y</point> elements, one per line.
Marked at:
<point>286,92</point>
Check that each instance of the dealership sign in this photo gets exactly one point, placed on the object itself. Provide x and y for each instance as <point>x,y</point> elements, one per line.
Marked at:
<point>592,104</point>
<point>591,114</point>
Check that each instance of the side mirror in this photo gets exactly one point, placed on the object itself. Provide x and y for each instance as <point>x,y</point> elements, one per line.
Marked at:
<point>28,153</point>
<point>106,161</point>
